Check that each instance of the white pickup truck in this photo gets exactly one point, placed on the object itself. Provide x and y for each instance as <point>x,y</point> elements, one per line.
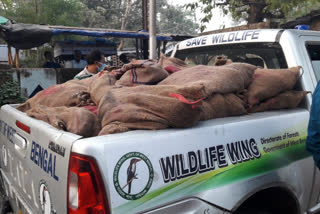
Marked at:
<point>249,164</point>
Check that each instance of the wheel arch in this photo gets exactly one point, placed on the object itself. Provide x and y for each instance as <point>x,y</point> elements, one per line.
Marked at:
<point>272,199</point>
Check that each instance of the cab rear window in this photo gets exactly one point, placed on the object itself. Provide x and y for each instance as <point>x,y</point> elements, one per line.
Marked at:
<point>314,54</point>
<point>266,55</point>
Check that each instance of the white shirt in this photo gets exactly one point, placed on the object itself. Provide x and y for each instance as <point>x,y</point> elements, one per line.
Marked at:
<point>83,74</point>
<point>80,64</point>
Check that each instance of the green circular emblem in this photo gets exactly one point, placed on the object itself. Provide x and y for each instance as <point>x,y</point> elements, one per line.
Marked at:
<point>133,175</point>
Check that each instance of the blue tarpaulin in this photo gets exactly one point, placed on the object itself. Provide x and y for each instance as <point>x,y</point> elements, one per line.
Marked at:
<point>26,36</point>
<point>3,20</point>
<point>97,41</point>
<point>107,33</point>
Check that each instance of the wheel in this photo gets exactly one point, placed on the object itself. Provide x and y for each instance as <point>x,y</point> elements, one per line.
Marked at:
<point>5,207</point>
<point>254,211</point>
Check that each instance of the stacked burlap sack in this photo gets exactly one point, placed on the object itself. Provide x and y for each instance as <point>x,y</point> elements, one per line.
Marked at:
<point>146,94</point>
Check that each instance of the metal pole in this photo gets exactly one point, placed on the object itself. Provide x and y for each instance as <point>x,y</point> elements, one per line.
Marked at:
<point>137,48</point>
<point>144,42</point>
<point>152,30</point>
<point>144,14</point>
<point>10,60</point>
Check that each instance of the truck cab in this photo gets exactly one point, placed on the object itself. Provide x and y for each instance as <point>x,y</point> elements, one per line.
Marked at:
<point>255,163</point>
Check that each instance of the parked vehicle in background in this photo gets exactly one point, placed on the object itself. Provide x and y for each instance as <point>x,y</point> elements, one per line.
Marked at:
<point>255,163</point>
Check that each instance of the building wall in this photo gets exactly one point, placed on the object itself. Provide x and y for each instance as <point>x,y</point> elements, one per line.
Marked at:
<point>31,80</point>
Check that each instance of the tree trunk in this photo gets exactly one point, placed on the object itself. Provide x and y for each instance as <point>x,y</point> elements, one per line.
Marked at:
<point>256,13</point>
<point>36,7</point>
<point>4,7</point>
<point>124,22</point>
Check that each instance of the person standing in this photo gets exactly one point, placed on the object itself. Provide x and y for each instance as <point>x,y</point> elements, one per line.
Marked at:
<point>124,59</point>
<point>96,63</point>
<point>77,62</point>
<point>49,61</point>
<point>313,139</point>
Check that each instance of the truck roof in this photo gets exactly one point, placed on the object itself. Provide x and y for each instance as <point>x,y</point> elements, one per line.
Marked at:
<point>244,36</point>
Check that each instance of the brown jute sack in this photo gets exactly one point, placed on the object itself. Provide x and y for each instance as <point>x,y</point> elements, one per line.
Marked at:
<point>172,64</point>
<point>103,81</point>
<point>215,79</point>
<point>222,60</point>
<point>71,93</point>
<point>288,99</point>
<point>73,119</point>
<point>133,64</point>
<point>148,107</point>
<point>147,73</point>
<point>270,82</point>
<point>222,105</point>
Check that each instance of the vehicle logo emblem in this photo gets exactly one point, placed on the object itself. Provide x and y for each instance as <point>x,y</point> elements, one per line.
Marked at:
<point>133,175</point>
<point>44,197</point>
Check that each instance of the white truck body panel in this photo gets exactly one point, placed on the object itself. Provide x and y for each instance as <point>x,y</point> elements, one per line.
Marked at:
<point>212,167</point>
<point>230,38</point>
<point>38,162</point>
<point>161,147</point>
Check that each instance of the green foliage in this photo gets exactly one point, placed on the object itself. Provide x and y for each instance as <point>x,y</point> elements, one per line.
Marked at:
<point>302,9</point>
<point>174,19</point>
<point>10,93</point>
<point>97,14</point>
<point>33,58</point>
<point>5,5</point>
<point>255,10</point>
<point>62,12</point>
<point>52,12</point>
<point>108,13</point>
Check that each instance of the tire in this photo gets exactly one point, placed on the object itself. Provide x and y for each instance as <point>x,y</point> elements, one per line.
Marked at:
<point>5,207</point>
<point>254,211</point>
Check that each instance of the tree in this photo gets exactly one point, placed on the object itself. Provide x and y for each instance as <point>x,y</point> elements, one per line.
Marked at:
<point>111,14</point>
<point>171,19</point>
<point>108,12</point>
<point>124,22</point>
<point>4,5</point>
<point>302,9</point>
<point>52,12</point>
<point>120,14</point>
<point>174,19</point>
<point>250,10</point>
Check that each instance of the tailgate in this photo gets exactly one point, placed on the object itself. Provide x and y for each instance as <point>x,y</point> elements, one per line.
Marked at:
<point>144,170</point>
<point>34,162</point>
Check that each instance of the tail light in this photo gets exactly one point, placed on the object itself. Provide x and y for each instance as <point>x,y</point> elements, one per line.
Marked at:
<point>23,127</point>
<point>86,192</point>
